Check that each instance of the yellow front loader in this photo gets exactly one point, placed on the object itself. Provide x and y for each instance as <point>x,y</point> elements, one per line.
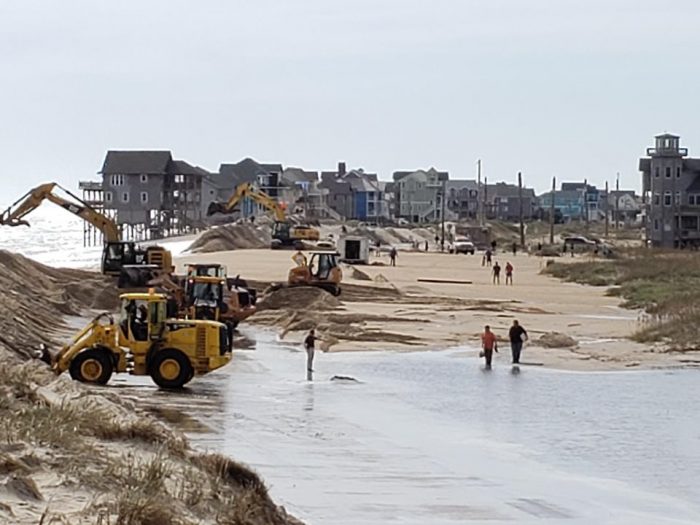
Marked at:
<point>144,342</point>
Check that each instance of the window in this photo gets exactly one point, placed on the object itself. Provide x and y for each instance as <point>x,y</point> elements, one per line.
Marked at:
<point>678,172</point>
<point>144,178</point>
<point>656,224</point>
<point>108,196</point>
<point>691,200</point>
<point>144,196</point>
<point>656,172</point>
<point>677,200</point>
<point>667,198</point>
<point>117,180</point>
<point>668,172</point>
<point>125,196</point>
<point>657,199</point>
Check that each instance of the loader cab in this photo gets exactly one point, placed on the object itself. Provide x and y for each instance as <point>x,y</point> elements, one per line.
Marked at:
<point>204,297</point>
<point>206,270</point>
<point>322,265</point>
<point>142,317</point>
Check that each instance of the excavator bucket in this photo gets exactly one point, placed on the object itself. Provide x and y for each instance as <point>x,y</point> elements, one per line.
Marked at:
<point>219,207</point>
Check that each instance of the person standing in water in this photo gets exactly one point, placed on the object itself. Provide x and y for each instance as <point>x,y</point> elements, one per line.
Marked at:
<point>489,345</point>
<point>517,335</point>
<point>310,347</point>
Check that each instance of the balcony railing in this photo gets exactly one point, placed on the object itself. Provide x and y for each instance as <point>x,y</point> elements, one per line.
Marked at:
<point>652,152</point>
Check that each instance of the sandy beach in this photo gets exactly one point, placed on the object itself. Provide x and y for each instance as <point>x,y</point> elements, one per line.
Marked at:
<point>438,315</point>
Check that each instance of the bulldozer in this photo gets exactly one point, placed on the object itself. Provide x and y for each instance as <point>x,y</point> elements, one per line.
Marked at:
<point>284,233</point>
<point>117,255</point>
<point>144,341</point>
<point>321,270</point>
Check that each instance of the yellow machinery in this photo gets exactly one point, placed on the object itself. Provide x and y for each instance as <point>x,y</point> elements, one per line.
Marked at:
<point>284,233</point>
<point>210,294</point>
<point>117,254</point>
<point>144,342</point>
<point>322,271</point>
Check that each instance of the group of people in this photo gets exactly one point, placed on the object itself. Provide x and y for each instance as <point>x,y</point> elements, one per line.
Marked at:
<point>489,343</point>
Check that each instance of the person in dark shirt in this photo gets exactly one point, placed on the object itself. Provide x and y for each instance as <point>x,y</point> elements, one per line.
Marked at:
<point>517,335</point>
<point>310,347</point>
<point>496,273</point>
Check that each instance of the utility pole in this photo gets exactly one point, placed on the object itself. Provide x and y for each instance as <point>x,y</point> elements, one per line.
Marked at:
<point>607,206</point>
<point>585,202</point>
<point>520,199</point>
<point>551,212</point>
<point>483,207</point>
<point>442,216</point>
<point>479,209</point>
<point>617,201</point>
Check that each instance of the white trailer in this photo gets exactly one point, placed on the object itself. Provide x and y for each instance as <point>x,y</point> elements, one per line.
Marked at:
<point>354,249</point>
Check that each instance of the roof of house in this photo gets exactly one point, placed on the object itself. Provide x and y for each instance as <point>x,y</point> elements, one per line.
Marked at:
<point>502,189</point>
<point>442,175</point>
<point>299,175</point>
<point>247,170</point>
<point>461,185</point>
<point>180,167</point>
<point>130,162</point>
<point>667,136</point>
<point>694,186</point>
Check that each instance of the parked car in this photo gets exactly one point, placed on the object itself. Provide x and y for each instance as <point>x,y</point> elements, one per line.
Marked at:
<point>462,245</point>
<point>578,240</point>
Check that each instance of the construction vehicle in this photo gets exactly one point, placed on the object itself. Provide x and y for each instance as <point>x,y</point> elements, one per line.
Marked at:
<point>322,271</point>
<point>143,342</point>
<point>210,294</point>
<point>204,293</point>
<point>117,254</point>
<point>284,233</point>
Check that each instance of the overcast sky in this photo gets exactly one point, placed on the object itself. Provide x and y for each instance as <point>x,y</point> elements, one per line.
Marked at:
<point>566,88</point>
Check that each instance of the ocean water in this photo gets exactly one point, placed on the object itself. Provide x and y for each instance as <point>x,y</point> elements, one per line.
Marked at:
<point>430,438</point>
<point>55,238</point>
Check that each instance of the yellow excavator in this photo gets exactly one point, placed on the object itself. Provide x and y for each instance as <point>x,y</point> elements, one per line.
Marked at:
<point>117,255</point>
<point>284,233</point>
<point>144,341</point>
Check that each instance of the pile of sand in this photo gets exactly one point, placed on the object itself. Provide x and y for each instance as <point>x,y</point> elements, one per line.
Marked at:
<point>74,453</point>
<point>556,340</point>
<point>307,298</point>
<point>358,274</point>
<point>240,236</point>
<point>34,298</point>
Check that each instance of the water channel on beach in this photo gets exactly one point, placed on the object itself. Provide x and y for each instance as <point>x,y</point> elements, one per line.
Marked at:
<point>432,438</point>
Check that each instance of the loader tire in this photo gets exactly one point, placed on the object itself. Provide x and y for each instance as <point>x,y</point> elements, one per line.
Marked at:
<point>170,368</point>
<point>93,365</point>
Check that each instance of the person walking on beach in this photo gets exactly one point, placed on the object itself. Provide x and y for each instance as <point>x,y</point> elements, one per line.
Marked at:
<point>496,273</point>
<point>515,248</point>
<point>487,256</point>
<point>310,347</point>
<point>489,345</point>
<point>517,335</point>
<point>392,255</point>
<point>509,273</point>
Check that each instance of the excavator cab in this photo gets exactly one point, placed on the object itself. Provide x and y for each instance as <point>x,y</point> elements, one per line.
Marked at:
<point>322,271</point>
<point>116,255</point>
<point>120,254</point>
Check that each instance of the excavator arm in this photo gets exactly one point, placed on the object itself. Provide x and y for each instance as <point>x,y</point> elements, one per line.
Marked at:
<point>14,215</point>
<point>258,196</point>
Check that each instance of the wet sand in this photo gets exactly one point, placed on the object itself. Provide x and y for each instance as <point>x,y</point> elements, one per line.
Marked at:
<point>439,315</point>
